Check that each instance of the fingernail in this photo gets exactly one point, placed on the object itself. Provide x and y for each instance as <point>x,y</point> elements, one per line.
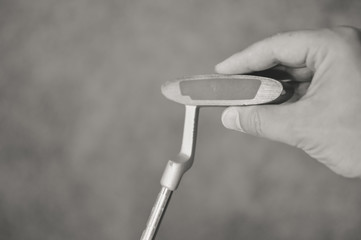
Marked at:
<point>230,120</point>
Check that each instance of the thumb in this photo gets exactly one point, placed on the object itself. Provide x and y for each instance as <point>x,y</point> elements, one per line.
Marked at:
<point>272,122</point>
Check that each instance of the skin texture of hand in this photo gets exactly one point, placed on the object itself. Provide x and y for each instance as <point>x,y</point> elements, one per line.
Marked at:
<point>326,120</point>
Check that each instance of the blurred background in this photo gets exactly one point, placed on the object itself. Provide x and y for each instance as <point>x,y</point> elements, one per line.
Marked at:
<point>85,132</point>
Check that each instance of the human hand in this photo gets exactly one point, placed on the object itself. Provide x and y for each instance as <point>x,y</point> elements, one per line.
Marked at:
<point>326,120</point>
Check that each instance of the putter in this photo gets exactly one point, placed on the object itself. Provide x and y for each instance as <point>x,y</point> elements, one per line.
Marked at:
<point>207,91</point>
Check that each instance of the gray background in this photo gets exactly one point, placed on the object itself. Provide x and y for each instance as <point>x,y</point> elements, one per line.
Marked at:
<point>85,132</point>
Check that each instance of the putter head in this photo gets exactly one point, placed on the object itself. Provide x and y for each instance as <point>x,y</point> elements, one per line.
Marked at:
<point>226,90</point>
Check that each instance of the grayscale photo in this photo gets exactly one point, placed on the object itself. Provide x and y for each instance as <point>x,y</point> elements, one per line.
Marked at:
<point>173,120</point>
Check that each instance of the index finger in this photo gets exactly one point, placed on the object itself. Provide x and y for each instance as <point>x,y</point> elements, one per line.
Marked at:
<point>292,49</point>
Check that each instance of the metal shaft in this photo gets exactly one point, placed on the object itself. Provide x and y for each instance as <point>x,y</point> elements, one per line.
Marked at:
<point>157,214</point>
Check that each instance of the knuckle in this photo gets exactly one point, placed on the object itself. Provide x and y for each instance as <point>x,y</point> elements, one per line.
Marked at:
<point>327,35</point>
<point>345,38</point>
<point>347,33</point>
<point>255,122</point>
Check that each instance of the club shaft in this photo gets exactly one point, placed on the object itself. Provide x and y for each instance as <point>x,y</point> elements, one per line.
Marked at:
<point>157,213</point>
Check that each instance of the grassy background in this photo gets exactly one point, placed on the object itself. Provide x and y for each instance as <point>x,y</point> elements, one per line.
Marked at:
<point>85,132</point>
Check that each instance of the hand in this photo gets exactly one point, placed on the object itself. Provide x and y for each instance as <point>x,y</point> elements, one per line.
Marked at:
<point>326,120</point>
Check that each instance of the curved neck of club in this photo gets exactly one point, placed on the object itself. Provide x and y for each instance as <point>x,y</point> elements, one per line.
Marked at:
<point>190,132</point>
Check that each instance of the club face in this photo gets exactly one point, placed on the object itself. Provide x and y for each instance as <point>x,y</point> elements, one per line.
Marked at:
<point>223,90</point>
